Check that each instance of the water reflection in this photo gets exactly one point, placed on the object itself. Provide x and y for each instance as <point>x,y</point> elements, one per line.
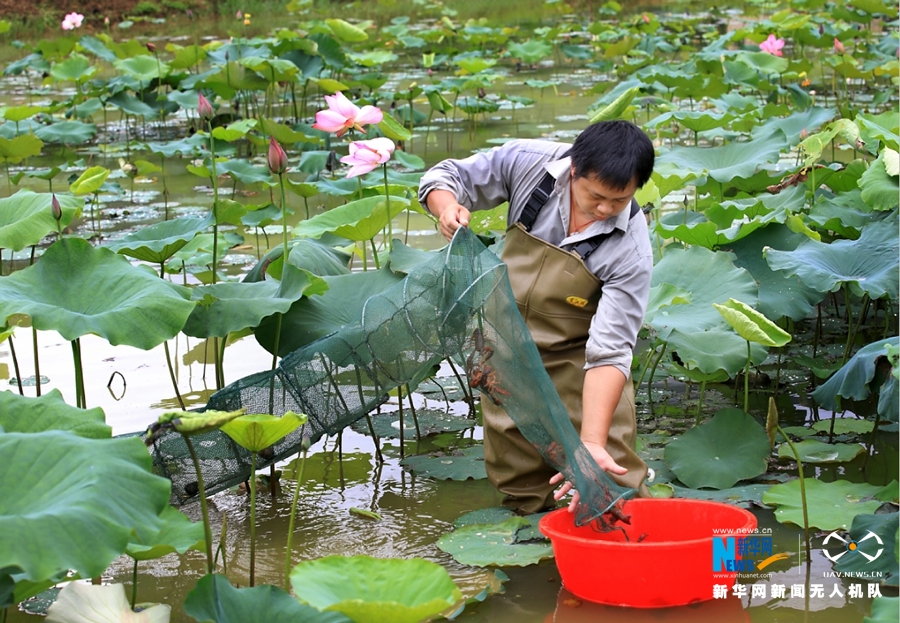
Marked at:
<point>571,609</point>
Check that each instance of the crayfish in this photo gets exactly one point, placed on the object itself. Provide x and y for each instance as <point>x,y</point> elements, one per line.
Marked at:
<point>480,374</point>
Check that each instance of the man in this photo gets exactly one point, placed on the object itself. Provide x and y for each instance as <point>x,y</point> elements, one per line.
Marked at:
<point>579,260</point>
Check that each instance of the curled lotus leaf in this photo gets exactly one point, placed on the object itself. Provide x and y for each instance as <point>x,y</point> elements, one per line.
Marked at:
<point>176,534</point>
<point>752,325</point>
<point>190,422</point>
<point>257,432</point>
<point>854,378</point>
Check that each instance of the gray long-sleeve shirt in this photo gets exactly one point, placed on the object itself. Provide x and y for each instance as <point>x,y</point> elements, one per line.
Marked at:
<point>622,263</point>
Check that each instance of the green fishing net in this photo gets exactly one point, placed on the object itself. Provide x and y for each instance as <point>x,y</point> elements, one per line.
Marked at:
<point>458,304</point>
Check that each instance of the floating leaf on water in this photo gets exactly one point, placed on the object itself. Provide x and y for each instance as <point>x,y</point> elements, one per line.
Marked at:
<point>484,545</point>
<point>831,505</point>
<point>844,425</point>
<point>814,451</point>
<point>462,465</point>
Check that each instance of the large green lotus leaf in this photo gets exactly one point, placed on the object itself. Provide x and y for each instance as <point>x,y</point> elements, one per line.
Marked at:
<point>257,432</point>
<point>881,127</point>
<point>90,181</point>
<point>21,414</point>
<point>85,496</point>
<point>885,561</point>
<point>844,425</point>
<point>731,446</point>
<point>215,599</point>
<point>85,603</point>
<point>845,214</point>
<point>431,422</point>
<point>160,241</point>
<point>884,610</point>
<point>715,349</point>
<point>130,105</point>
<point>464,464</point>
<point>26,217</point>
<point>76,68</point>
<point>76,289</point>
<point>710,277</point>
<point>358,220</point>
<point>227,307</point>
<point>814,451</point>
<point>752,325</point>
<point>852,380</point>
<point>177,534</point>
<point>481,545</point>
<point>493,515</point>
<point>16,149</point>
<point>880,186</point>
<point>316,316</point>
<point>779,294</point>
<point>745,495</point>
<point>831,505</point>
<point>143,68</point>
<point>869,265</point>
<point>67,132</point>
<point>375,590</point>
<point>244,172</point>
<point>727,162</point>
<point>794,124</point>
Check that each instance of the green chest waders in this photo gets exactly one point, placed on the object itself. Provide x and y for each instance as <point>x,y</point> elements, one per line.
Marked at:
<point>557,296</point>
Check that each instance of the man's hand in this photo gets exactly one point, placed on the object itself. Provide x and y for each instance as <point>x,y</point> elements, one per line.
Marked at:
<point>603,459</point>
<point>451,215</point>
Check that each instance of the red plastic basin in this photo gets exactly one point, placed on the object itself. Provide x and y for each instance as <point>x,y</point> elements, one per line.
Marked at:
<point>671,566</point>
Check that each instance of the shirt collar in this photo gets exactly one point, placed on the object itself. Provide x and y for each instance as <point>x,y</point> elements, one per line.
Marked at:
<point>560,170</point>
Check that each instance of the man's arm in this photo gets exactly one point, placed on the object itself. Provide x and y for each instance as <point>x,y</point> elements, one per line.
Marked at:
<point>450,213</point>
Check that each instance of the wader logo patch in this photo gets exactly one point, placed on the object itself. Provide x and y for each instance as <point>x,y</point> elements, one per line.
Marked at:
<point>577,301</point>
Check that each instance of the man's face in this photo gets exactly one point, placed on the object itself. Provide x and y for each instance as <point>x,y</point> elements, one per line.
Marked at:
<point>592,198</point>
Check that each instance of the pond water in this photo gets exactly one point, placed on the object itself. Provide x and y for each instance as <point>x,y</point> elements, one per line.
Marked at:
<point>132,388</point>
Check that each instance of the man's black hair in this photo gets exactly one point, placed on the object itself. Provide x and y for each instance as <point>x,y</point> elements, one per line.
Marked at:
<point>615,152</point>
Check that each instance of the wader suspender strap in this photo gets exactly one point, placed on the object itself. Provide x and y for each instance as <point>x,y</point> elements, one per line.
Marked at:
<point>539,197</point>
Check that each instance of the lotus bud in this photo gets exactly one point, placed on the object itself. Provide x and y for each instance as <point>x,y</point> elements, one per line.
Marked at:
<point>838,46</point>
<point>804,134</point>
<point>204,108</point>
<point>821,29</point>
<point>645,18</point>
<point>55,208</point>
<point>305,444</point>
<point>277,158</point>
<point>239,14</point>
<point>106,21</point>
<point>151,47</point>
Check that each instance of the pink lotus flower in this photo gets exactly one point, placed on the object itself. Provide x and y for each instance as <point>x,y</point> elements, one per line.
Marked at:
<point>204,108</point>
<point>772,45</point>
<point>838,46</point>
<point>72,21</point>
<point>342,115</point>
<point>366,155</point>
<point>277,158</point>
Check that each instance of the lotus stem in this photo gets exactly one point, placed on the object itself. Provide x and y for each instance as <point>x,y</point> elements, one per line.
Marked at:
<point>400,411</point>
<point>700,403</point>
<point>290,534</point>
<point>172,375</point>
<point>134,580</point>
<point>201,491</point>
<point>215,185</point>
<point>80,400</point>
<point>284,259</point>
<point>653,372</point>
<point>387,198</point>
<point>851,338</point>
<point>252,518</point>
<point>871,440</point>
<point>747,381</point>
<point>802,489</point>
<point>12,352</point>
<point>412,408</point>
<point>37,363</point>
<point>374,253</point>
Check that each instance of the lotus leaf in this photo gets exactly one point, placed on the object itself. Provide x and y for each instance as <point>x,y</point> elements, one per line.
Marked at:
<point>482,545</point>
<point>869,265</point>
<point>160,241</point>
<point>881,127</point>
<point>323,468</point>
<point>831,505</point>
<point>792,126</point>
<point>131,105</point>
<point>76,68</point>
<point>228,307</point>
<point>890,492</point>
<point>745,496</point>
<point>358,220</point>
<point>713,350</point>
<point>752,325</point>
<point>191,422</point>
<point>316,316</point>
<point>464,464</point>
<point>843,425</point>
<point>814,451</point>
<point>20,414</point>
<point>725,163</point>
<point>710,277</point>
<point>86,496</point>
<point>852,380</point>
<point>90,181</point>
<point>143,68</point>
<point>884,610</point>
<point>177,534</point>
<point>85,603</point>
<point>879,184</point>
<point>431,421</point>
<point>779,294</point>
<point>26,217</point>
<point>345,31</point>
<point>711,456</point>
<point>374,590</point>
<point>67,132</point>
<point>215,599</point>
<point>15,150</point>
<point>244,172</point>
<point>482,516</point>
<point>257,432</point>
<point>76,289</point>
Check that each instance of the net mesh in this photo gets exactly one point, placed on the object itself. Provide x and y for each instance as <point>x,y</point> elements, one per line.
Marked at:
<point>457,305</point>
